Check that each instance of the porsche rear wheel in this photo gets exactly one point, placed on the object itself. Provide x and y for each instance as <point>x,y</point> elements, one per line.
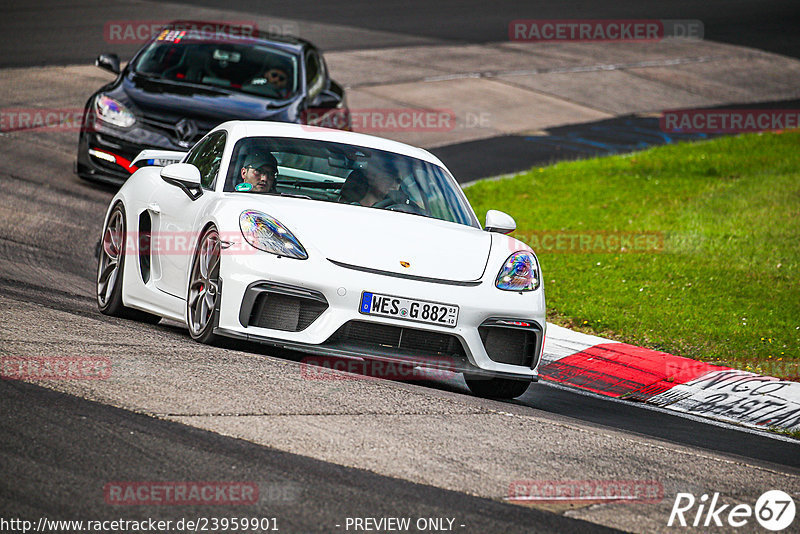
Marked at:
<point>497,388</point>
<point>110,265</point>
<point>204,288</point>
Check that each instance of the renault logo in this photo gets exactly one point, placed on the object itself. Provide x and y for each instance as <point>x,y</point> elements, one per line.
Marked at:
<point>405,264</point>
<point>186,130</point>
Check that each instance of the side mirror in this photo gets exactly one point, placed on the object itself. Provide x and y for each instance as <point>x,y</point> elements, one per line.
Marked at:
<point>327,99</point>
<point>497,221</point>
<point>109,62</point>
<point>184,176</point>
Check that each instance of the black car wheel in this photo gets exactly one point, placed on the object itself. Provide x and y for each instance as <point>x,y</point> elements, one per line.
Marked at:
<point>497,388</point>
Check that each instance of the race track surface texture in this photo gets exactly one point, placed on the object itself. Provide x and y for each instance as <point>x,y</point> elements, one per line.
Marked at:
<point>45,32</point>
<point>176,410</point>
<point>61,451</point>
<point>428,432</point>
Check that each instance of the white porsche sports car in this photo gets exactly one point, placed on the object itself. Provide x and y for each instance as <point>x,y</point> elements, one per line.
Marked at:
<point>327,242</point>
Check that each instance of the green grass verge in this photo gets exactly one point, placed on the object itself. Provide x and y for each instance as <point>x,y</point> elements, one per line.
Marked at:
<point>786,432</point>
<point>722,282</point>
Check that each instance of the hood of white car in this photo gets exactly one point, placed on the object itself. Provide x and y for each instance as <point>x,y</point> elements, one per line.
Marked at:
<point>385,240</point>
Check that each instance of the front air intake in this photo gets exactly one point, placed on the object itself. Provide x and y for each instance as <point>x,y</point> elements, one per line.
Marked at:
<point>374,337</point>
<point>512,342</point>
<point>283,312</point>
<point>281,307</point>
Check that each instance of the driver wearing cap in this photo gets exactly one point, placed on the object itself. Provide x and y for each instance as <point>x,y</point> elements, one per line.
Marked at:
<point>260,171</point>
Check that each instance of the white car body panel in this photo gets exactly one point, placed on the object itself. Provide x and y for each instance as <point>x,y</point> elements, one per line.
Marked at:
<point>310,221</point>
<point>463,260</point>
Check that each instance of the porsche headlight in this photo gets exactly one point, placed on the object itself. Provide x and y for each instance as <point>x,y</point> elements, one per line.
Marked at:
<point>267,234</point>
<point>520,272</point>
<point>109,110</point>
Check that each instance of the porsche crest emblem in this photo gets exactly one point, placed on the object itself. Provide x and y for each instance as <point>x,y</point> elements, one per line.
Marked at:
<point>405,264</point>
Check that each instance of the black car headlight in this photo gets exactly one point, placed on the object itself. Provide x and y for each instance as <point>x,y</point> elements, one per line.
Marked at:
<point>268,234</point>
<point>113,112</point>
<point>520,272</point>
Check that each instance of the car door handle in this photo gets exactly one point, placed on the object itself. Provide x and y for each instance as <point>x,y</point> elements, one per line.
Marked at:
<point>155,208</point>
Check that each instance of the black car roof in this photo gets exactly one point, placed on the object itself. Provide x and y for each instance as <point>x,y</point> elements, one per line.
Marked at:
<point>286,42</point>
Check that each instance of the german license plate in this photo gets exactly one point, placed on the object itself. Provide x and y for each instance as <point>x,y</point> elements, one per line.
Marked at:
<point>163,162</point>
<point>422,311</point>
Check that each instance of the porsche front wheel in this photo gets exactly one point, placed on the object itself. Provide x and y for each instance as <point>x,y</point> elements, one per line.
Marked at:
<point>204,288</point>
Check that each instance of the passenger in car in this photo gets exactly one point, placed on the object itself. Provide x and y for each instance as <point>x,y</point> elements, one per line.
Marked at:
<point>367,188</point>
<point>380,183</point>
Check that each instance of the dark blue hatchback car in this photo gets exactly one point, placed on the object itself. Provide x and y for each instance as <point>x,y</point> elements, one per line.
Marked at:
<point>185,81</point>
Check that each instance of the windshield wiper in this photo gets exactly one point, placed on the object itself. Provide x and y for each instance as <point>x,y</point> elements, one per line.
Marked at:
<point>150,75</point>
<point>310,184</point>
<point>207,87</point>
<point>418,214</point>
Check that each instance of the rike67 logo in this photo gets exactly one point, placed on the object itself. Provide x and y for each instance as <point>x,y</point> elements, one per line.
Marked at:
<point>774,510</point>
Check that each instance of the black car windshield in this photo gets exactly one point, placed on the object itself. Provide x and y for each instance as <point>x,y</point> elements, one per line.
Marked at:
<point>347,174</point>
<point>245,66</point>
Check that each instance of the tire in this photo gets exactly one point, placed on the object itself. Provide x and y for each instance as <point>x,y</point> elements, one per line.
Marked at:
<point>110,269</point>
<point>204,291</point>
<point>496,388</point>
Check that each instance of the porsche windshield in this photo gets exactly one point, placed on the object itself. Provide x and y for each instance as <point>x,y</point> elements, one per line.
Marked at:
<point>245,67</point>
<point>348,174</point>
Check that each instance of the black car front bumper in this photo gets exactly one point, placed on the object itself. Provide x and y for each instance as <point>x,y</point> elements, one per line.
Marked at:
<point>106,154</point>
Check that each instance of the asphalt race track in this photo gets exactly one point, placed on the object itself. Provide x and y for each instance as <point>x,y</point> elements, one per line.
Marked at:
<point>87,441</point>
<point>321,451</point>
<point>376,24</point>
